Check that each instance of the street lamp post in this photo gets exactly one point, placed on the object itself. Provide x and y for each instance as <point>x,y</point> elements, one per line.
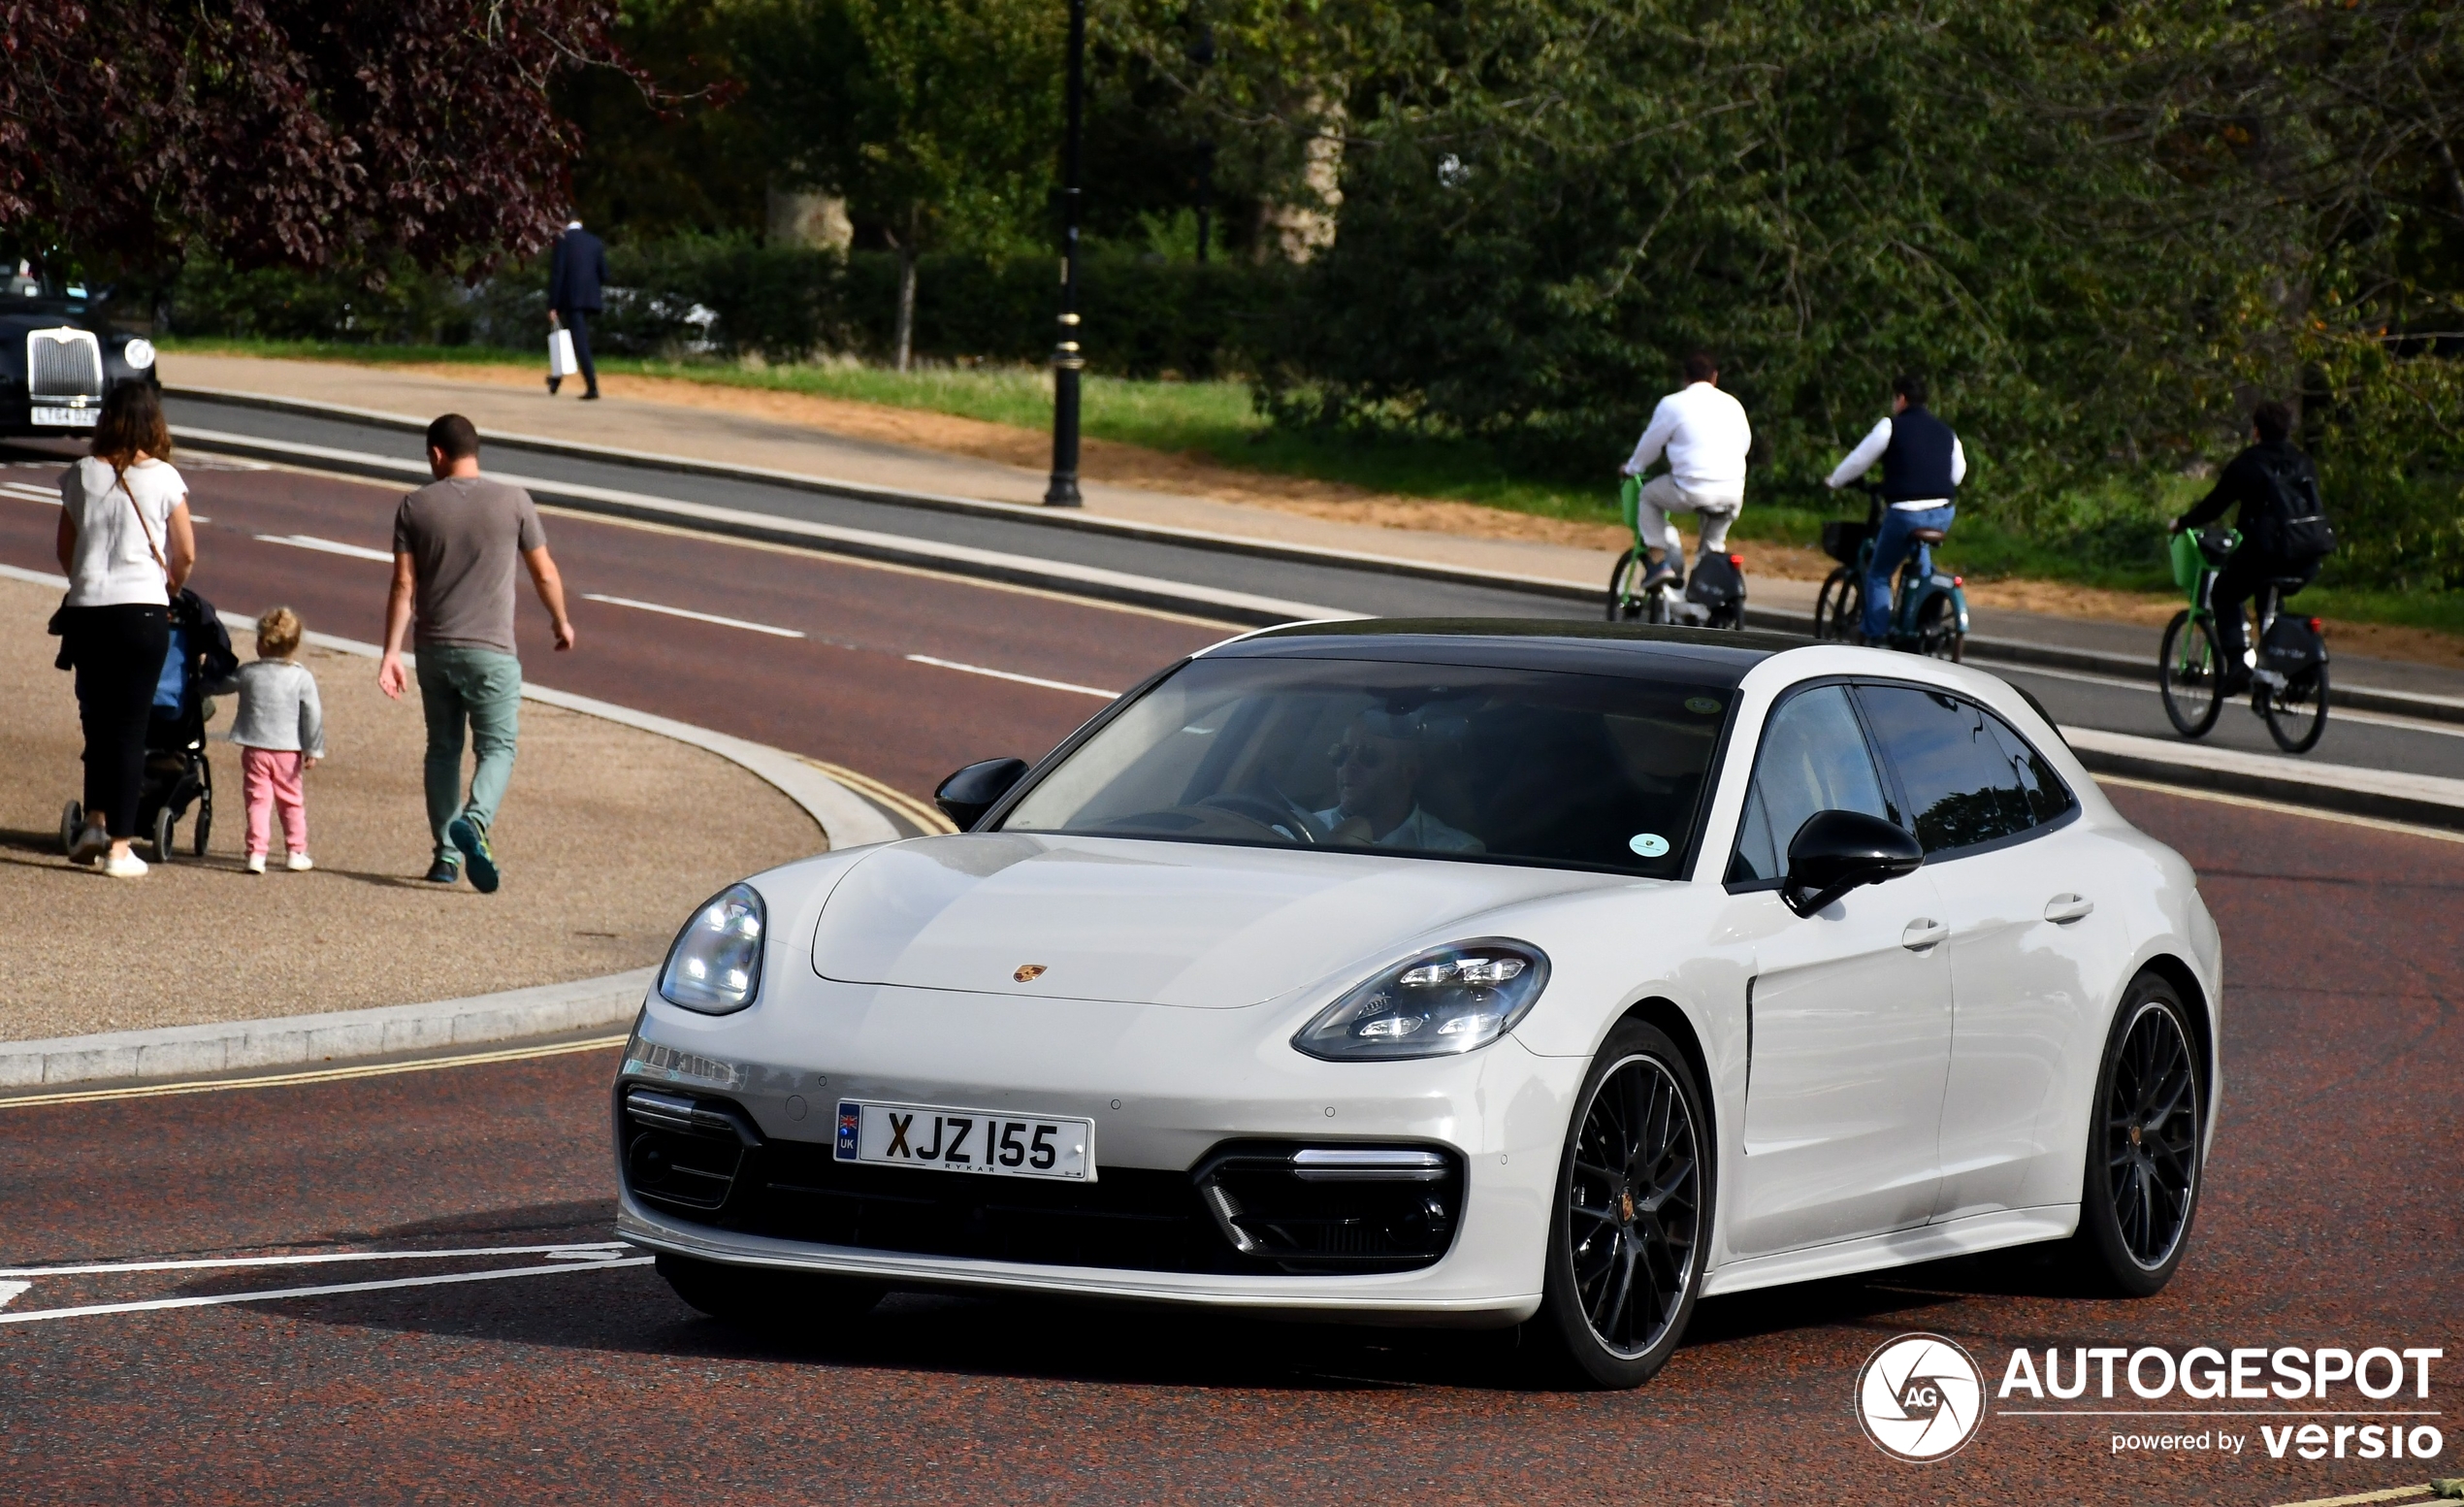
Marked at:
<point>1069,358</point>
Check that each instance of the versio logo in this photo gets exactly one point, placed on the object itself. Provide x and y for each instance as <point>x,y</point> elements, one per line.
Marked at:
<point>1920,1397</point>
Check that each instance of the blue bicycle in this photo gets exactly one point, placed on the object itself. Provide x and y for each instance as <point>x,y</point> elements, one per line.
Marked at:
<point>1928,608</point>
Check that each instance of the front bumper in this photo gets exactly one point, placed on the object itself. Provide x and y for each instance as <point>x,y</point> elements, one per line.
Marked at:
<point>1168,1088</point>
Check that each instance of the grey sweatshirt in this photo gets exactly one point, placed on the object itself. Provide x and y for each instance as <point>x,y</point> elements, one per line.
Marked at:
<point>279,708</point>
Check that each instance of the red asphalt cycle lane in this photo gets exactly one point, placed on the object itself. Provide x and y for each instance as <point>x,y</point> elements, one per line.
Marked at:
<point>2328,1217</point>
<point>846,693</point>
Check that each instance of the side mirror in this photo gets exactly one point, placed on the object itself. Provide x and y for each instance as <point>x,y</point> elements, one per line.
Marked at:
<point>1837,851</point>
<point>964,797</point>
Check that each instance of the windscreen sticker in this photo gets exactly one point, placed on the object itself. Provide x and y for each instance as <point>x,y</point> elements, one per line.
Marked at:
<point>1650,844</point>
<point>1700,704</point>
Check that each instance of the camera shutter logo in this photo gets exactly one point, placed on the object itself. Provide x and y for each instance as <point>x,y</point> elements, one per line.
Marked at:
<point>1920,1397</point>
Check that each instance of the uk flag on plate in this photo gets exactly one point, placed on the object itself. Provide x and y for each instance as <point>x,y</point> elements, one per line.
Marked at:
<point>851,1120</point>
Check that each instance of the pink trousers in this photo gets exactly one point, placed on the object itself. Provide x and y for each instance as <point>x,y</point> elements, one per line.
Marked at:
<point>269,777</point>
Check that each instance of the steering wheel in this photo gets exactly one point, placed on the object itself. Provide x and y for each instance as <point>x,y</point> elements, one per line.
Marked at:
<point>1288,819</point>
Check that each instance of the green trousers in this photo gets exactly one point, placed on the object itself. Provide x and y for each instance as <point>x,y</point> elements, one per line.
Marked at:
<point>482,688</point>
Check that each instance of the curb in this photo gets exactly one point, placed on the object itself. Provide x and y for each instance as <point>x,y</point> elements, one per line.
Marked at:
<point>2426,799</point>
<point>182,1051</point>
<point>1136,591</point>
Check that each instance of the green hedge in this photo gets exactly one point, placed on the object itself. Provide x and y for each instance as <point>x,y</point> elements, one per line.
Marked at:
<point>732,297</point>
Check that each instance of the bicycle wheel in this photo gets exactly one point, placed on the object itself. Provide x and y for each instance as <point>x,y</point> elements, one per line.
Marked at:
<point>1625,603</point>
<point>2297,716</point>
<point>2189,669</point>
<point>1938,632</point>
<point>1840,607</point>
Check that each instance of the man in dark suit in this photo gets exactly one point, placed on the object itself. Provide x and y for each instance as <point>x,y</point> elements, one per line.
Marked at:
<point>575,273</point>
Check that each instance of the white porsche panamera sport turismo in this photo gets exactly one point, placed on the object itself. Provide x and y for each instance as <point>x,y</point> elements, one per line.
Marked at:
<point>1472,973</point>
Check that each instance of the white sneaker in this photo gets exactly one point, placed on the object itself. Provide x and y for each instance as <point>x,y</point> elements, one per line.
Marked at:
<point>124,866</point>
<point>300,864</point>
<point>256,862</point>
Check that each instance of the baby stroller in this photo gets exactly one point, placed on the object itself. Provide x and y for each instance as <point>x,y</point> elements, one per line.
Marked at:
<point>178,773</point>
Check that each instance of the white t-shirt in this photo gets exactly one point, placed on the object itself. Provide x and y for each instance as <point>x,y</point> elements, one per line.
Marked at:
<point>111,564</point>
<point>1706,434</point>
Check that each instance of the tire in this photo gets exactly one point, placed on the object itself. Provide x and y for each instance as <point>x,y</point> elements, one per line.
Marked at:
<point>766,1300</point>
<point>1634,1207</point>
<point>204,829</point>
<point>2189,668</point>
<point>1840,607</point>
<point>2297,716</point>
<point>1624,606</point>
<point>1938,633</point>
<point>165,825</point>
<point>2144,1146</point>
<point>71,822</point>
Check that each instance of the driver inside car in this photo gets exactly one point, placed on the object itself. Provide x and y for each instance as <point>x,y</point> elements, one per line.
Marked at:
<point>1377,768</point>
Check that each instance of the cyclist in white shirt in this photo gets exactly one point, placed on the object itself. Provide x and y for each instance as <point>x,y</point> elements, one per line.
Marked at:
<point>1705,435</point>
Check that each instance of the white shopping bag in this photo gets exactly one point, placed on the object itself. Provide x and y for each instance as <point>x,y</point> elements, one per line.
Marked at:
<point>560,353</point>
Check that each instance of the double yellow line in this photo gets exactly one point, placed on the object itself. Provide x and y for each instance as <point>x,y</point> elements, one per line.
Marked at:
<point>274,1080</point>
<point>923,813</point>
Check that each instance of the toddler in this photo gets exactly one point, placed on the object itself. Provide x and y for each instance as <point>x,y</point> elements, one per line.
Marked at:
<point>281,730</point>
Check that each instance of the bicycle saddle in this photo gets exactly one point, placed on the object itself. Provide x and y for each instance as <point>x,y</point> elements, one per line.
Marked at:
<point>1928,535</point>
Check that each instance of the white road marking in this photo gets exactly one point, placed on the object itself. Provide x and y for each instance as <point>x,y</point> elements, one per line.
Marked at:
<point>156,1305</point>
<point>596,1248</point>
<point>9,1291</point>
<point>1010,674</point>
<point>326,546</point>
<point>699,618</point>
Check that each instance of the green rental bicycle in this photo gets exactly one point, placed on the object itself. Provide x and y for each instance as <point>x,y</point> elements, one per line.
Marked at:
<point>2289,668</point>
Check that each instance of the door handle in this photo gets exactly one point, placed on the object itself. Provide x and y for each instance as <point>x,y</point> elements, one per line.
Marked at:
<point>2063,909</point>
<point>1922,933</point>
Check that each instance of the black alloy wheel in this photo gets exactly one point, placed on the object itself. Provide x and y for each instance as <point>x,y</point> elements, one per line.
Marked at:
<point>2144,1145</point>
<point>2297,714</point>
<point>765,1301</point>
<point>1840,607</point>
<point>1631,1230</point>
<point>2190,674</point>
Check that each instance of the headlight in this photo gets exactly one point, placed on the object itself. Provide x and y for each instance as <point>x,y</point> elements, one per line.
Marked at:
<point>715,966</point>
<point>139,353</point>
<point>1445,1001</point>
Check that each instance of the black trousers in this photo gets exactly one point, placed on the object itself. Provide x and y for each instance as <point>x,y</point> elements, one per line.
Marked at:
<point>2246,572</point>
<point>117,652</point>
<point>578,321</point>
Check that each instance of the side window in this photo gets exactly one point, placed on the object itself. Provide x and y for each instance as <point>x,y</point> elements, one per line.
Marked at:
<point>2046,796</point>
<point>1813,759</point>
<point>1956,767</point>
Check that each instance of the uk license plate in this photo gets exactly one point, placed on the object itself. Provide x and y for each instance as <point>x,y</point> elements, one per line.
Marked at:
<point>85,417</point>
<point>967,1141</point>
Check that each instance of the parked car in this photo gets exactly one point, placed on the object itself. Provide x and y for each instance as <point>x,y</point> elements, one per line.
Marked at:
<point>59,356</point>
<point>1449,973</point>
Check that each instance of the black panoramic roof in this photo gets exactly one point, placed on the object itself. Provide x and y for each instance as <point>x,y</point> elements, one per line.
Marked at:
<point>1699,656</point>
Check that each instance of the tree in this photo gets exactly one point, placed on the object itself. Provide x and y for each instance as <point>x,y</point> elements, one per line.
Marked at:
<point>291,132</point>
<point>936,119</point>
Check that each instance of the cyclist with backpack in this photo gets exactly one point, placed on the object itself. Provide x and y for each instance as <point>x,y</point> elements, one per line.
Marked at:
<point>2283,525</point>
<point>1923,463</point>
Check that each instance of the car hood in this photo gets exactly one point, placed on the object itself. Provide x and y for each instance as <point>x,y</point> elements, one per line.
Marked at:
<point>1141,922</point>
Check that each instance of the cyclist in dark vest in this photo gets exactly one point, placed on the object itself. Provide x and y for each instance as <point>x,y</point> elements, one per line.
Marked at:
<point>2265,481</point>
<point>1923,465</point>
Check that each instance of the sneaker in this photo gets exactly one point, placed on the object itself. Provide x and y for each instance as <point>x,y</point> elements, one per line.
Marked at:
<point>92,843</point>
<point>2233,680</point>
<point>553,383</point>
<point>124,866</point>
<point>445,872</point>
<point>591,396</point>
<point>466,834</point>
<point>300,864</point>
<point>1666,574</point>
<point>256,862</point>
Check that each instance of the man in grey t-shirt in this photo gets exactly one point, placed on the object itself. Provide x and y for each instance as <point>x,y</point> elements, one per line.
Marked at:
<point>455,544</point>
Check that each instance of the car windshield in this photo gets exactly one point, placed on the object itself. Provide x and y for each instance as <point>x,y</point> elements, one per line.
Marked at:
<point>1523,765</point>
<point>22,279</point>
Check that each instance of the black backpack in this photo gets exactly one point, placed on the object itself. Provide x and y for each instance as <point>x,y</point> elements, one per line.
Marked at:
<point>2292,523</point>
